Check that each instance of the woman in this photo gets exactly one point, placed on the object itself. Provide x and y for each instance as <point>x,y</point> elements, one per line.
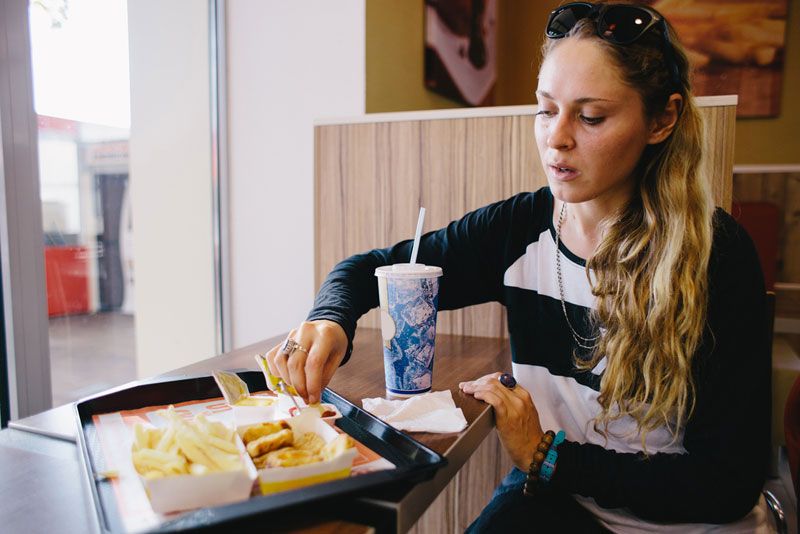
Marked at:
<point>633,307</point>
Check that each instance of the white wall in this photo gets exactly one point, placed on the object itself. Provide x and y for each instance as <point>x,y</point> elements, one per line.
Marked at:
<point>288,64</point>
<point>170,167</point>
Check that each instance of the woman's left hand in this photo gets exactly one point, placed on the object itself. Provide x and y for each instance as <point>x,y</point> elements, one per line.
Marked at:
<point>515,415</point>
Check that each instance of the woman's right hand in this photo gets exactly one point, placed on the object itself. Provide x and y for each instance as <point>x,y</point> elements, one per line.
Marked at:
<point>309,373</point>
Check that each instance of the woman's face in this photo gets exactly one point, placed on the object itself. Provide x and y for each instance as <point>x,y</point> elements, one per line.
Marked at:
<point>590,127</point>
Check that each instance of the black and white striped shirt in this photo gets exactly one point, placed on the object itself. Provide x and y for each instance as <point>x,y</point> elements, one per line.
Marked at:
<point>711,473</point>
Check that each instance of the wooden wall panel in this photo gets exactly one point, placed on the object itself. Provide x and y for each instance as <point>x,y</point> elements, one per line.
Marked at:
<point>439,518</point>
<point>371,179</point>
<point>476,481</point>
<point>719,123</point>
<point>463,499</point>
<point>783,190</point>
<point>791,263</point>
<point>448,166</point>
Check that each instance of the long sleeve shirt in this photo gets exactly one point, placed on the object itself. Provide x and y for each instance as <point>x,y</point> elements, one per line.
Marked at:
<point>708,476</point>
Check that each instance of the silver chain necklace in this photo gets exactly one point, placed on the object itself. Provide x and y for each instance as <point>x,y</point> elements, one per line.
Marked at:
<point>587,343</point>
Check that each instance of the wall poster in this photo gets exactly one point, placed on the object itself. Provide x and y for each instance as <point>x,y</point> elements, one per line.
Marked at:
<point>736,47</point>
<point>460,49</point>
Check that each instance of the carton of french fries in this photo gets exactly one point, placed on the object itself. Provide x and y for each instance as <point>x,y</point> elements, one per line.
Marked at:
<point>191,464</point>
<point>297,452</point>
<point>247,408</point>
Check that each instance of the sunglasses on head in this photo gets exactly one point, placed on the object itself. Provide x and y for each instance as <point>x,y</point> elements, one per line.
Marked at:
<point>616,23</point>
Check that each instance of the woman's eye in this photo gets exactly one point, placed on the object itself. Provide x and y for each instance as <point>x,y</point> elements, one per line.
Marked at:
<point>545,113</point>
<point>591,121</point>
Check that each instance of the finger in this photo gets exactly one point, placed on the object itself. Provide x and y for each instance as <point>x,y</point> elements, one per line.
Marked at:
<point>523,394</point>
<point>270,357</point>
<point>488,381</point>
<point>315,366</point>
<point>297,360</point>
<point>331,365</point>
<point>281,362</point>
<point>497,402</point>
<point>297,372</point>
<point>306,336</point>
<point>499,390</point>
<point>469,386</point>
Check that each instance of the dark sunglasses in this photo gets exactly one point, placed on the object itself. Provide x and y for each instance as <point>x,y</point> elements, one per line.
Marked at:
<point>616,23</point>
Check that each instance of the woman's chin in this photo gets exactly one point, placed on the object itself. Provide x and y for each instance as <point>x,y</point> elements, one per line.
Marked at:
<point>568,192</point>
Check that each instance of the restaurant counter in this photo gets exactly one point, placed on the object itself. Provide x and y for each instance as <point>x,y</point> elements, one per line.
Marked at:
<point>41,476</point>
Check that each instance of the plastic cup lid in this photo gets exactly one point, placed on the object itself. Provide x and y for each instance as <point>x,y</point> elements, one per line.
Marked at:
<point>408,270</point>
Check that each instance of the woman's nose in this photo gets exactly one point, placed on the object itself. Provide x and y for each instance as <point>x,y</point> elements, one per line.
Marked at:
<point>560,135</point>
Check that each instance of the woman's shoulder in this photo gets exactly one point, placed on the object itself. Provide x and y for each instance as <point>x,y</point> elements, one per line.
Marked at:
<point>733,253</point>
<point>528,203</point>
<point>522,208</point>
<point>729,236</point>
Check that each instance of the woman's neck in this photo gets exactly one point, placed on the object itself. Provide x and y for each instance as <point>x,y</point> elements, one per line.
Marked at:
<point>582,227</point>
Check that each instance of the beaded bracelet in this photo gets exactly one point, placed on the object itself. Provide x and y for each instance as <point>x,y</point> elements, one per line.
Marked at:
<point>529,489</point>
<point>549,464</point>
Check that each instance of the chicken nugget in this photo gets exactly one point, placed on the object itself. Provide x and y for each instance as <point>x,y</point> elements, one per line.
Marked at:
<point>260,461</point>
<point>270,442</point>
<point>336,447</point>
<point>309,442</point>
<point>291,457</point>
<point>263,429</point>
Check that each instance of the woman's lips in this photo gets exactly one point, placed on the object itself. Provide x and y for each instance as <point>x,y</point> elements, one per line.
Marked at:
<point>563,173</point>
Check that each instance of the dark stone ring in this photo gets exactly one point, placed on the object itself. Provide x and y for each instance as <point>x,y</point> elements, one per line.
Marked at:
<point>508,381</point>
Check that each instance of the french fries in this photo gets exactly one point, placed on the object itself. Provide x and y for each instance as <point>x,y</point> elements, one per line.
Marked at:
<point>739,33</point>
<point>184,447</point>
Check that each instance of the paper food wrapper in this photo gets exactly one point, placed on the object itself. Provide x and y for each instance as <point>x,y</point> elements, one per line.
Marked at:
<point>282,407</point>
<point>237,395</point>
<point>249,415</point>
<point>285,408</point>
<point>232,387</point>
<point>187,492</point>
<point>273,382</point>
<point>275,479</point>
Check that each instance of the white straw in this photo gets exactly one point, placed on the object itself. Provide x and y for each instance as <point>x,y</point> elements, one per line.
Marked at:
<point>417,236</point>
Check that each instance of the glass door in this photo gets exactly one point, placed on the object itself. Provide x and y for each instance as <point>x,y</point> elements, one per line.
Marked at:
<point>81,88</point>
<point>110,129</point>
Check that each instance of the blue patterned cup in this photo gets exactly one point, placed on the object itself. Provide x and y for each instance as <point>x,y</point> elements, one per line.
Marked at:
<point>409,300</point>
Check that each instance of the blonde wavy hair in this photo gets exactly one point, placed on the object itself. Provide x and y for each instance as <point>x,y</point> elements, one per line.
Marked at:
<point>648,274</point>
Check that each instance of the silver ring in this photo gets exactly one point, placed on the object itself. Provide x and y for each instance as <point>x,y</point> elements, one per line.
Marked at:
<point>290,345</point>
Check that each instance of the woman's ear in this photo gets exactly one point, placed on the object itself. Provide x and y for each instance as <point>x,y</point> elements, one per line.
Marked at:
<point>662,126</point>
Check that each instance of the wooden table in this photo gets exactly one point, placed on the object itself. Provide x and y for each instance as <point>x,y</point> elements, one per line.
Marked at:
<point>447,502</point>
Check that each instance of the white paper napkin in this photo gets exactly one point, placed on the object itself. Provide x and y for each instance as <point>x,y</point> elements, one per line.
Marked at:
<point>434,411</point>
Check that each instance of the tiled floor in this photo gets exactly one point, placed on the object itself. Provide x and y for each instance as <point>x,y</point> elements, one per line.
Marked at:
<point>90,353</point>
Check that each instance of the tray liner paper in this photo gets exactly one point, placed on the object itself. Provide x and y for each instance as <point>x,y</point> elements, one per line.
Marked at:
<point>115,432</point>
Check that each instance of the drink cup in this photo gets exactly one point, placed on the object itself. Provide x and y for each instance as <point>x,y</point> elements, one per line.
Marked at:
<point>409,300</point>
